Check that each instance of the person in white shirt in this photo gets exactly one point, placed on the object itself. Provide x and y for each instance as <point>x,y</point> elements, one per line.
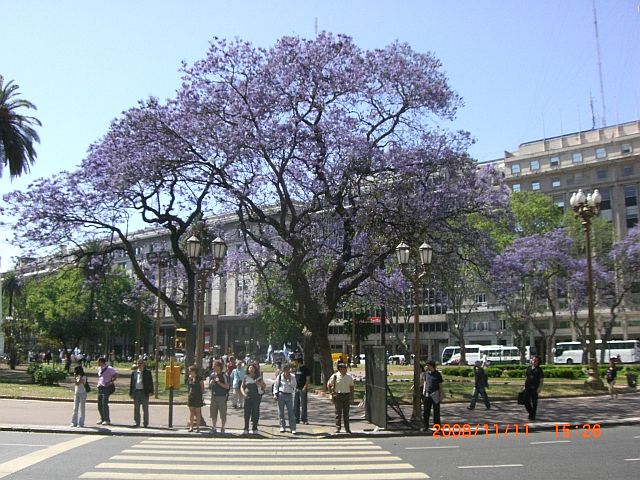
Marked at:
<point>284,388</point>
<point>340,387</point>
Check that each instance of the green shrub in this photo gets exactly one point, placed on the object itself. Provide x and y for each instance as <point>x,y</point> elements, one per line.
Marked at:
<point>48,375</point>
<point>516,372</point>
<point>493,372</point>
<point>562,372</point>
<point>33,368</point>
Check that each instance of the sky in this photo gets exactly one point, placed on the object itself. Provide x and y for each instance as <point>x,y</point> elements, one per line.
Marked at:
<point>526,69</point>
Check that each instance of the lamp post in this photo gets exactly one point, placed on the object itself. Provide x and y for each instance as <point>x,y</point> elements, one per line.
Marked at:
<point>499,334</point>
<point>585,207</point>
<point>194,250</point>
<point>403,253</point>
<point>160,259</point>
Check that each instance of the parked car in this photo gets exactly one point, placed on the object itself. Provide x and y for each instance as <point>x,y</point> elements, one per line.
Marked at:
<point>397,360</point>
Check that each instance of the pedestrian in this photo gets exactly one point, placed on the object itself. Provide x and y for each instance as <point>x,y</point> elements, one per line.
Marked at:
<point>611,377</point>
<point>303,380</point>
<point>432,393</point>
<point>231,365</point>
<point>140,387</point>
<point>107,377</point>
<point>340,387</point>
<point>251,388</point>
<point>534,379</point>
<point>238,374</point>
<point>219,385</point>
<point>79,397</point>
<point>195,385</point>
<point>480,385</point>
<point>283,391</point>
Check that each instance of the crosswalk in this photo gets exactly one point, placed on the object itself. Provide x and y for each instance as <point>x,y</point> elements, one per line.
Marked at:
<point>213,459</point>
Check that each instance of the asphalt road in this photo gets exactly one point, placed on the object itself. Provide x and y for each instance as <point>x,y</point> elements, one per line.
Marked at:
<point>614,455</point>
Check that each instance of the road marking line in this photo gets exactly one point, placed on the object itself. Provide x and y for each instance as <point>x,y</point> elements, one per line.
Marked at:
<point>256,476</point>
<point>267,447</point>
<point>254,452</point>
<point>238,459</point>
<point>217,441</point>
<point>428,448</point>
<point>493,466</point>
<point>550,441</point>
<point>24,445</point>
<point>251,468</point>
<point>20,463</point>
<point>632,459</point>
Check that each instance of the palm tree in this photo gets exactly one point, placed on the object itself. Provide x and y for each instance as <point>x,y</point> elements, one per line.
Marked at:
<point>17,134</point>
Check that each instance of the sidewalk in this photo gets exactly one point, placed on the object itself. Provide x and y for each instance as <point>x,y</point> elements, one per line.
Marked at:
<point>54,416</point>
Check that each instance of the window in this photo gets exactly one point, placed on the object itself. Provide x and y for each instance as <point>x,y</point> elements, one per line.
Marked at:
<point>626,149</point>
<point>605,193</point>
<point>535,186</point>
<point>601,152</point>
<point>481,298</point>
<point>535,165</point>
<point>576,157</point>
<point>632,219</point>
<point>555,183</point>
<point>558,201</point>
<point>515,168</point>
<point>554,162</point>
<point>630,196</point>
<point>627,170</point>
<point>602,174</point>
<point>515,187</point>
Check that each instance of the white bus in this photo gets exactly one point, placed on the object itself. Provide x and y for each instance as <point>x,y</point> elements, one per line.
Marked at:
<point>451,354</point>
<point>571,352</point>
<point>500,354</point>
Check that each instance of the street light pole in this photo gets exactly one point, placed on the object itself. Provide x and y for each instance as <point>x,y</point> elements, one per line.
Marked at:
<point>403,253</point>
<point>194,250</point>
<point>586,207</point>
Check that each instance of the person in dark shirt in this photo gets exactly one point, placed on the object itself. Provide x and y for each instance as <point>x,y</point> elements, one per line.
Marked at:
<point>480,385</point>
<point>303,380</point>
<point>432,393</point>
<point>532,386</point>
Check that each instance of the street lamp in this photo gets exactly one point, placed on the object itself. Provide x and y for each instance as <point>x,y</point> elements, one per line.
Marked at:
<point>586,207</point>
<point>499,335</point>
<point>160,259</point>
<point>403,253</point>
<point>194,250</point>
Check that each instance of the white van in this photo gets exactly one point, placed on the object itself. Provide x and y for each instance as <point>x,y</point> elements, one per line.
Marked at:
<point>451,354</point>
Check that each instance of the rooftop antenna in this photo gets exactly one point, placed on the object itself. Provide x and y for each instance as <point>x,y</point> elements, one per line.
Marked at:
<point>316,25</point>
<point>593,113</point>
<point>595,24</point>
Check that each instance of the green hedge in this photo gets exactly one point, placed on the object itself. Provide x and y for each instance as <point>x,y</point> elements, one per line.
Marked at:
<point>46,374</point>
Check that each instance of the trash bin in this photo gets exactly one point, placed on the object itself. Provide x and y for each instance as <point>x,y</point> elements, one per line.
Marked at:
<point>632,379</point>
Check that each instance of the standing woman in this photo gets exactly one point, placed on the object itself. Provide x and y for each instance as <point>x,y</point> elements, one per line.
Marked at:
<point>432,393</point>
<point>79,397</point>
<point>250,388</point>
<point>237,376</point>
<point>611,377</point>
<point>195,383</point>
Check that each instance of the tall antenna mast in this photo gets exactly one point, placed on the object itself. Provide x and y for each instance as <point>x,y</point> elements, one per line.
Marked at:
<point>595,24</point>
<point>316,26</point>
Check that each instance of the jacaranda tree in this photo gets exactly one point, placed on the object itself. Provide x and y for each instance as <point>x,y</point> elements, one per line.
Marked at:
<point>328,155</point>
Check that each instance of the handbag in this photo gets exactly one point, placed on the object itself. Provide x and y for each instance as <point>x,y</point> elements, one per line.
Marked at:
<point>111,389</point>
<point>435,396</point>
<point>87,388</point>
<point>521,397</point>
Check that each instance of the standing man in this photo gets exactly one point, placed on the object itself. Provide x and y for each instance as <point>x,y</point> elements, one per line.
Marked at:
<point>532,386</point>
<point>140,387</point>
<point>303,380</point>
<point>107,376</point>
<point>432,393</point>
<point>340,387</point>
<point>283,390</point>
<point>480,385</point>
